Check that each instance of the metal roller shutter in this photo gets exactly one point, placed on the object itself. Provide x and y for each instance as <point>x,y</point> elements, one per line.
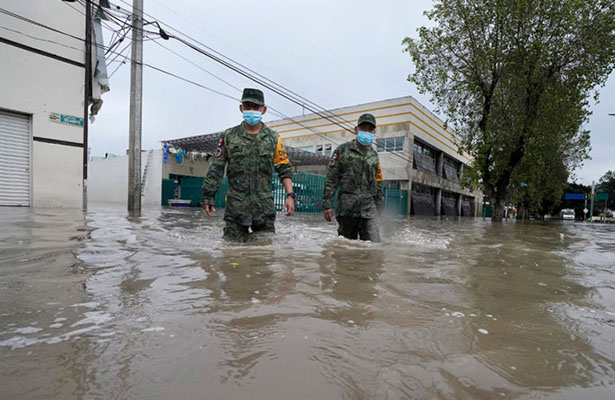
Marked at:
<point>14,159</point>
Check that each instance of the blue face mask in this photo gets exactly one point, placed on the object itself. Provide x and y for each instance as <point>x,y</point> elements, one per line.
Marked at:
<point>252,117</point>
<point>365,138</point>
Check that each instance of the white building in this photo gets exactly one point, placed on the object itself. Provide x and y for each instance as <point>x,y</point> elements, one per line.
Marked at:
<point>43,129</point>
<point>416,152</point>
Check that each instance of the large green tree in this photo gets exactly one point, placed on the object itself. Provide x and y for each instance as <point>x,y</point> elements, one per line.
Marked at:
<point>606,184</point>
<point>513,78</point>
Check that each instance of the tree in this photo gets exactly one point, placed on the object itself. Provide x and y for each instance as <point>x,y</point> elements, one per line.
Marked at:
<point>513,78</point>
<point>606,184</point>
<point>577,205</point>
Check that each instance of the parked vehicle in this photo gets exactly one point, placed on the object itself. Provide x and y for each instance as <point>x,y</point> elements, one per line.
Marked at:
<point>567,213</point>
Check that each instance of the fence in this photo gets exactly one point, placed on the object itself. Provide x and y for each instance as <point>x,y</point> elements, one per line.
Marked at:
<point>307,187</point>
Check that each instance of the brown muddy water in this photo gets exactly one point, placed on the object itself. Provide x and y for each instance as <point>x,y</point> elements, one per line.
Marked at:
<point>100,305</point>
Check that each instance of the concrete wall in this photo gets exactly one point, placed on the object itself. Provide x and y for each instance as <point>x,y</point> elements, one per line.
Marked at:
<point>108,178</point>
<point>37,85</point>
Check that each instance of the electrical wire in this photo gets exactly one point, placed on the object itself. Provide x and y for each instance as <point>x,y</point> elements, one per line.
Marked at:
<point>280,87</point>
<point>177,76</point>
<point>274,87</point>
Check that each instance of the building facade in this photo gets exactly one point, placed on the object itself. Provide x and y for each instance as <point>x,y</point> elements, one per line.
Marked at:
<point>416,153</point>
<point>43,128</point>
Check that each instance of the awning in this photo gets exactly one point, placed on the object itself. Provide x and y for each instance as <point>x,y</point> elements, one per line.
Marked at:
<point>209,142</point>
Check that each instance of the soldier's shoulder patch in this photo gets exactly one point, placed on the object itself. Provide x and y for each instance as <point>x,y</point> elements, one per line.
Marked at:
<point>221,142</point>
<point>333,159</point>
<point>218,152</point>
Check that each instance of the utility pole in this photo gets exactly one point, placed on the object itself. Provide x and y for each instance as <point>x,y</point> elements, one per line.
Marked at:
<point>136,107</point>
<point>86,96</point>
<point>591,207</point>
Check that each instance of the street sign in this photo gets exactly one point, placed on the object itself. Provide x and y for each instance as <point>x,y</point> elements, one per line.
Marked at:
<point>65,119</point>
<point>602,196</point>
<point>585,211</point>
<point>575,196</point>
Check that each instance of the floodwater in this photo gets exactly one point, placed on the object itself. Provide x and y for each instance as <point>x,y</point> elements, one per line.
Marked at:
<point>100,305</point>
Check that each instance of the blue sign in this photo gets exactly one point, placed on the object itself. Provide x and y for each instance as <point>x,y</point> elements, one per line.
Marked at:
<point>575,196</point>
<point>70,120</point>
<point>65,119</point>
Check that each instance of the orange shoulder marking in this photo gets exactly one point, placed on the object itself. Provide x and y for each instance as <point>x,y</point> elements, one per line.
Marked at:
<point>280,157</point>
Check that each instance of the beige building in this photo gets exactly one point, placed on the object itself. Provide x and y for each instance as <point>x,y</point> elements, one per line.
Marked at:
<point>415,151</point>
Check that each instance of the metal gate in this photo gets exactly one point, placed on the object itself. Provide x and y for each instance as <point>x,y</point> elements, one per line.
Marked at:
<point>14,159</point>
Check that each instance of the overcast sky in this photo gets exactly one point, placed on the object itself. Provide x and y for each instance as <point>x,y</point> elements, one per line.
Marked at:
<point>335,53</point>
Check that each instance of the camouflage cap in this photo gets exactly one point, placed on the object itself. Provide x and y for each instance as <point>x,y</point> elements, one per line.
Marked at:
<point>367,118</point>
<point>255,96</point>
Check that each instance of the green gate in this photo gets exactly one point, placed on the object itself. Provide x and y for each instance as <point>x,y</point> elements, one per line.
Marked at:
<point>191,189</point>
<point>396,202</point>
<point>307,187</point>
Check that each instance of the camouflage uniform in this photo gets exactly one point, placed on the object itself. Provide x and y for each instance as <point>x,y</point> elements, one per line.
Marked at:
<point>250,160</point>
<point>355,170</point>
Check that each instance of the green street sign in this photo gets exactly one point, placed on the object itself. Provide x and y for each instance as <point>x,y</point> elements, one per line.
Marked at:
<point>602,196</point>
<point>65,119</point>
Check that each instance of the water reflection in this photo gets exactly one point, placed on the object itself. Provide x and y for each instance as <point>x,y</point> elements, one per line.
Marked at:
<point>350,272</point>
<point>514,293</point>
<point>107,305</point>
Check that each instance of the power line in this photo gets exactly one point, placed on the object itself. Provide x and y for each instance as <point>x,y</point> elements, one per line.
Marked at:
<point>185,79</point>
<point>261,78</point>
<point>273,86</point>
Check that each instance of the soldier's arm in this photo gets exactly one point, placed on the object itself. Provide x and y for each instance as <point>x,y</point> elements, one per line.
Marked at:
<point>281,163</point>
<point>332,181</point>
<point>379,198</point>
<point>215,173</point>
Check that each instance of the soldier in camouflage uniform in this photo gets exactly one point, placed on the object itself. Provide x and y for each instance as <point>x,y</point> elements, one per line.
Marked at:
<point>354,168</point>
<point>249,152</point>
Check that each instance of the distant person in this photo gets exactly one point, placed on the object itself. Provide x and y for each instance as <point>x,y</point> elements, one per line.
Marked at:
<point>354,168</point>
<point>250,151</point>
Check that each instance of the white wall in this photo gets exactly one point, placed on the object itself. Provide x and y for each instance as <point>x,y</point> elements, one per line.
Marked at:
<point>36,85</point>
<point>108,180</point>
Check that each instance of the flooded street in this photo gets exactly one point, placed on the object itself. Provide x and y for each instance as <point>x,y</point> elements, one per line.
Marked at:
<point>99,305</point>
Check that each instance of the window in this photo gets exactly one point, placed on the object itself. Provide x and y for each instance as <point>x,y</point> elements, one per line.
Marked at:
<point>450,169</point>
<point>319,149</point>
<point>328,149</point>
<point>418,188</point>
<point>424,158</point>
<point>423,149</point>
<point>449,195</point>
<point>392,144</point>
<point>307,148</point>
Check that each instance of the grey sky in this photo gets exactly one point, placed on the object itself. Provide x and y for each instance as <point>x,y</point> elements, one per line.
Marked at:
<point>335,53</point>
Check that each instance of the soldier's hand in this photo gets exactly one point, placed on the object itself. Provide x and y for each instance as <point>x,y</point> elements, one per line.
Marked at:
<point>329,214</point>
<point>209,209</point>
<point>289,207</point>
